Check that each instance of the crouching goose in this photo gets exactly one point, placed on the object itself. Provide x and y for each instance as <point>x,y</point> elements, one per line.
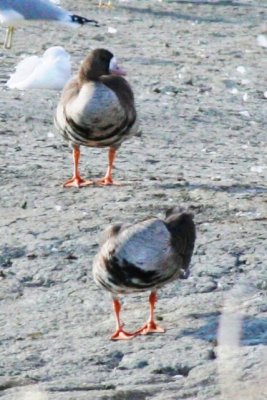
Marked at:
<point>96,110</point>
<point>144,256</point>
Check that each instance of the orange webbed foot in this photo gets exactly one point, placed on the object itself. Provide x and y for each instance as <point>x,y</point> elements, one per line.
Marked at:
<point>77,181</point>
<point>120,334</point>
<point>150,327</point>
<point>107,181</point>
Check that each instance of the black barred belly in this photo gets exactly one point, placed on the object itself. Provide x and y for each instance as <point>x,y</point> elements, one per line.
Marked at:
<point>123,277</point>
<point>106,136</point>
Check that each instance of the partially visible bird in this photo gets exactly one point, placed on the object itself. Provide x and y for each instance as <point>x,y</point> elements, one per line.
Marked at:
<point>144,256</point>
<point>14,13</point>
<point>51,71</point>
<point>105,5</point>
<point>96,110</point>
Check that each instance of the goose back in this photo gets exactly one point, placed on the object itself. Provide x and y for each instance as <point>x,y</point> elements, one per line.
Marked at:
<point>139,257</point>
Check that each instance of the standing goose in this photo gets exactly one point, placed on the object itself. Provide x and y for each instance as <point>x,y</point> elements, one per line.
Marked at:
<point>144,256</point>
<point>96,110</point>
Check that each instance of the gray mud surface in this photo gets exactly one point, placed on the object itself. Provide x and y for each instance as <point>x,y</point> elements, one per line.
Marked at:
<point>203,146</point>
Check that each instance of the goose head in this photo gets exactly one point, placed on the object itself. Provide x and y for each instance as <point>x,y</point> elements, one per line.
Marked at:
<point>99,62</point>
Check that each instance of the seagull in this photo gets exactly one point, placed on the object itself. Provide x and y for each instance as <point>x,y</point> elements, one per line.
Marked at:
<point>50,71</point>
<point>96,109</point>
<point>144,256</point>
<point>14,13</point>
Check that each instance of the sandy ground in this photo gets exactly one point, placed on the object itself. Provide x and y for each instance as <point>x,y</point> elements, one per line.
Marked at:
<point>203,146</point>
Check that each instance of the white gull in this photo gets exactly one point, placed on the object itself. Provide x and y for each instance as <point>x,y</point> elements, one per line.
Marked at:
<point>50,71</point>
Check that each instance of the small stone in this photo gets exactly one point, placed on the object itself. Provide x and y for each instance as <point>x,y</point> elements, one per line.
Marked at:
<point>262,285</point>
<point>99,38</point>
<point>234,91</point>
<point>245,97</point>
<point>211,355</point>
<point>190,82</point>
<point>245,82</point>
<point>170,90</point>
<point>258,168</point>
<point>241,69</point>
<point>71,257</point>
<point>24,205</point>
<point>244,113</point>
<point>229,83</point>
<point>31,256</point>
<point>2,274</point>
<point>111,30</point>
<point>262,40</point>
<point>5,263</point>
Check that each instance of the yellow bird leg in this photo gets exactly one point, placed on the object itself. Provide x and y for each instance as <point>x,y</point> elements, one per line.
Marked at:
<point>9,37</point>
<point>105,5</point>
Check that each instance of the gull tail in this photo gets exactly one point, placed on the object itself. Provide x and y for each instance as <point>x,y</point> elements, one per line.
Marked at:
<point>82,20</point>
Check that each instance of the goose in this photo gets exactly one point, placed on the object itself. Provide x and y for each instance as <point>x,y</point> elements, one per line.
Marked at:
<point>96,109</point>
<point>14,13</point>
<point>144,256</point>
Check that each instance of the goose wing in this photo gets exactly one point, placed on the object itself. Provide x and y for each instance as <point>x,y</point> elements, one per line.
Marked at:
<point>138,258</point>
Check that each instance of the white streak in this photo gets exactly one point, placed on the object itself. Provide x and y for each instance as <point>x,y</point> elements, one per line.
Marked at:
<point>236,380</point>
<point>30,393</point>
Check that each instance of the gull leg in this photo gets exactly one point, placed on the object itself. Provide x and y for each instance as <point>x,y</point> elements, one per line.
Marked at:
<point>9,37</point>
<point>105,5</point>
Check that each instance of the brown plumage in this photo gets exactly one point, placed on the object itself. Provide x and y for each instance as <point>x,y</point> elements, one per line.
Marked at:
<point>96,110</point>
<point>144,256</point>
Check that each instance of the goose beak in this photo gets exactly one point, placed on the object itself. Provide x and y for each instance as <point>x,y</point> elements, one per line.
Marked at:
<point>115,69</point>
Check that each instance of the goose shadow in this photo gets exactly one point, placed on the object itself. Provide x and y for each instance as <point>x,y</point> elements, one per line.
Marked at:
<point>174,15</point>
<point>253,329</point>
<point>232,189</point>
<point>188,17</point>
<point>222,3</point>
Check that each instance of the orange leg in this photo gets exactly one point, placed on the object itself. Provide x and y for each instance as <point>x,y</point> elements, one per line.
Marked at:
<point>76,180</point>
<point>107,180</point>
<point>120,334</point>
<point>151,326</point>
